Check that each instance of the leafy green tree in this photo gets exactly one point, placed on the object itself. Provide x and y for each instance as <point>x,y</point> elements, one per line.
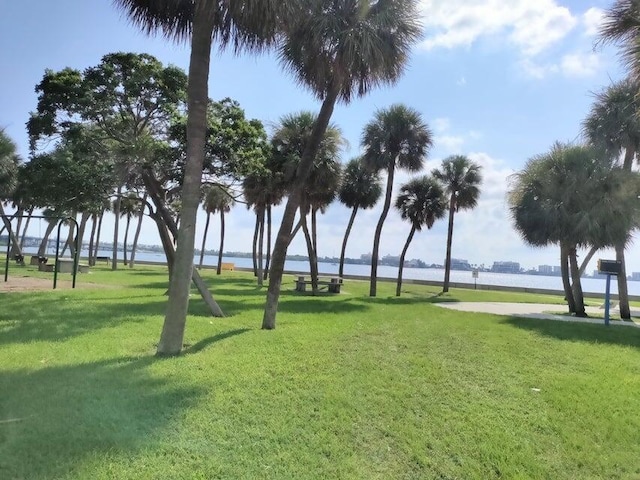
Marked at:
<point>397,137</point>
<point>551,202</point>
<point>421,201</point>
<point>360,188</point>
<point>247,24</point>
<point>339,49</point>
<point>613,125</point>
<point>461,178</point>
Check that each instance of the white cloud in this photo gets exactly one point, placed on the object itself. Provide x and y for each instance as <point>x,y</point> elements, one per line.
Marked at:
<point>580,64</point>
<point>530,26</point>
<point>462,81</point>
<point>592,20</point>
<point>441,124</point>
<point>451,143</point>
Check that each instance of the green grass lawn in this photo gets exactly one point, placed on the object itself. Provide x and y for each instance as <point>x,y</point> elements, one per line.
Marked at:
<point>347,386</point>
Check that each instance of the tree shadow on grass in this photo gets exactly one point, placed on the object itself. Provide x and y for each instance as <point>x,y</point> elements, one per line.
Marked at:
<point>204,343</point>
<point>53,418</point>
<point>579,332</point>
<point>409,299</point>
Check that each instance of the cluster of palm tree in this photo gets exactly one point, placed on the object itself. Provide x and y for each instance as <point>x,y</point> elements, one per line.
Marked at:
<point>586,195</point>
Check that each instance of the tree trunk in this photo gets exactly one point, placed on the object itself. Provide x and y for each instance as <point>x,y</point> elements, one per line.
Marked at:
<point>566,283</point>
<point>373,286</point>
<point>447,260</point>
<point>592,251</point>
<point>312,267</point>
<point>136,237</point>
<point>12,236</point>
<point>221,250</point>
<point>295,231</point>
<point>198,96</point>
<point>84,219</point>
<point>126,238</point>
<point>402,255</point>
<point>268,261</point>
<point>623,292</point>
<point>344,241</point>
<point>94,224</point>
<point>204,239</point>
<point>42,249</point>
<point>576,286</point>
<point>97,246</point>
<point>260,214</point>
<point>116,226</point>
<point>282,240</point>
<point>26,227</point>
<point>16,246</point>
<point>165,239</point>
<point>255,243</point>
<point>314,239</point>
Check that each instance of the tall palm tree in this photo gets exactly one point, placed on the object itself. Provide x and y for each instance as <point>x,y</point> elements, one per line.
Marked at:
<point>129,205</point>
<point>142,205</point>
<point>397,137</point>
<point>621,26</point>
<point>613,124</point>
<point>9,163</point>
<point>223,203</point>
<point>461,178</point>
<point>360,188</point>
<point>243,24</point>
<point>421,201</point>
<point>208,207</point>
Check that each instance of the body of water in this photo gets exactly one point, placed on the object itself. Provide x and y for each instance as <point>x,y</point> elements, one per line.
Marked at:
<point>594,285</point>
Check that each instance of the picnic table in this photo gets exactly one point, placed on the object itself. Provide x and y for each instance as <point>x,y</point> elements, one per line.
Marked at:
<point>332,283</point>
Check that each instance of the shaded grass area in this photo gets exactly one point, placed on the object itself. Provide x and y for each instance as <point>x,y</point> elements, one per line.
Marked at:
<point>346,387</point>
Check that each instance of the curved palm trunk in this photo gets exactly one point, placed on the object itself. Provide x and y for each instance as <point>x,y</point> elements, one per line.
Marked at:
<point>447,260</point>
<point>197,93</point>
<point>266,265</point>
<point>12,236</point>
<point>97,246</point>
<point>221,250</point>
<point>566,283</point>
<point>583,266</point>
<point>94,224</point>
<point>576,286</point>
<point>204,239</point>
<point>42,249</point>
<point>126,238</point>
<point>136,237</point>
<point>256,230</point>
<point>402,255</point>
<point>312,266</point>
<point>165,239</point>
<point>260,214</point>
<point>623,292</point>
<point>16,246</point>
<point>344,241</point>
<point>84,219</point>
<point>314,240</point>
<point>293,202</point>
<point>116,228</point>
<point>295,231</point>
<point>373,286</point>
<point>26,227</point>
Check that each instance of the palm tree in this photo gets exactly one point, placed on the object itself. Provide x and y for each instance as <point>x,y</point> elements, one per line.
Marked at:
<point>613,124</point>
<point>360,188</point>
<point>128,207</point>
<point>621,26</point>
<point>9,162</point>
<point>551,202</point>
<point>140,214</point>
<point>244,24</point>
<point>461,178</point>
<point>289,142</point>
<point>52,217</point>
<point>421,201</point>
<point>397,137</point>
<point>223,203</point>
<point>207,206</point>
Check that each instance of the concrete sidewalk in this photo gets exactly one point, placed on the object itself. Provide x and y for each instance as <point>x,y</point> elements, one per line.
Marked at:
<point>544,311</point>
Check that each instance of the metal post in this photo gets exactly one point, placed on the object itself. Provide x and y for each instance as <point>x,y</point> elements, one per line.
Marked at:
<point>55,264</point>
<point>607,297</point>
<point>6,265</point>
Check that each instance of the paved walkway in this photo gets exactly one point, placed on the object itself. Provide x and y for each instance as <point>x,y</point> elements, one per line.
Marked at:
<point>542,311</point>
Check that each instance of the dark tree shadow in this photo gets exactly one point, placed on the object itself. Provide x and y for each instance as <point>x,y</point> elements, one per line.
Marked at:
<point>204,343</point>
<point>579,332</point>
<point>50,419</point>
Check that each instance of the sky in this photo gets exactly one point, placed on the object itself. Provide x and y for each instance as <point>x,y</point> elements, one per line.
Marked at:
<point>497,81</point>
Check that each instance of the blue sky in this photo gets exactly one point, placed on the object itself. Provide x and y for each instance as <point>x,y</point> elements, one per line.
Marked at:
<point>498,81</point>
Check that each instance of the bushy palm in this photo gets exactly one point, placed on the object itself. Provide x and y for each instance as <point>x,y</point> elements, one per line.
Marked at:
<point>461,179</point>
<point>621,26</point>
<point>421,202</point>
<point>397,137</point>
<point>217,199</point>
<point>360,188</point>
<point>9,162</point>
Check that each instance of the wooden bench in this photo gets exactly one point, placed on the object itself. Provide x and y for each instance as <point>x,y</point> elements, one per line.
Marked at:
<point>228,266</point>
<point>104,259</point>
<point>37,260</point>
<point>66,266</point>
<point>332,283</point>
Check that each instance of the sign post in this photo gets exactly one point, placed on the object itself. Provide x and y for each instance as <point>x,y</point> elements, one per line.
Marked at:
<point>474,274</point>
<point>608,267</point>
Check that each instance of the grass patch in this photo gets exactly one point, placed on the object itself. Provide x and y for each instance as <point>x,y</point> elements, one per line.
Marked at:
<point>347,387</point>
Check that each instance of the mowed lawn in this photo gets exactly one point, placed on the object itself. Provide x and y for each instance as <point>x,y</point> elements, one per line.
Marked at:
<point>346,387</point>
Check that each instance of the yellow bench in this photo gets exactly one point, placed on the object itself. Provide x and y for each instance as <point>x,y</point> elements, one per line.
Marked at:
<point>227,266</point>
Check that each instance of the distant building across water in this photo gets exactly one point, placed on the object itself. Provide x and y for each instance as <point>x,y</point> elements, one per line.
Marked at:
<point>506,267</point>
